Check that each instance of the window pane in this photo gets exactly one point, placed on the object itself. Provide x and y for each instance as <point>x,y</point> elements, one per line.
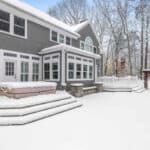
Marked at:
<point>55,75</point>
<point>71,66</point>
<point>61,38</point>
<point>19,31</point>
<point>54,36</point>
<point>78,67</point>
<point>19,21</point>
<point>47,71</point>
<point>68,41</point>
<point>4,26</point>
<point>55,66</point>
<point>9,68</point>
<point>71,75</point>
<point>4,16</point>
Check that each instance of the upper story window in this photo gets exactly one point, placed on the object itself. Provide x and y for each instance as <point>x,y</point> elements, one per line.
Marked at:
<point>89,44</point>
<point>61,38</point>
<point>19,26</point>
<point>68,40</point>
<point>4,21</point>
<point>54,36</point>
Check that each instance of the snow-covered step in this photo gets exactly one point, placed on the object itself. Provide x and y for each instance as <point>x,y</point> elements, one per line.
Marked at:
<point>37,116</point>
<point>6,103</point>
<point>36,108</point>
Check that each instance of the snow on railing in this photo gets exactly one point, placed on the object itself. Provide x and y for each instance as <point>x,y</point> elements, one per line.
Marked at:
<point>113,81</point>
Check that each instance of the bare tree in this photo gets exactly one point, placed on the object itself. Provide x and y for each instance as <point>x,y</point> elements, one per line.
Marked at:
<point>70,11</point>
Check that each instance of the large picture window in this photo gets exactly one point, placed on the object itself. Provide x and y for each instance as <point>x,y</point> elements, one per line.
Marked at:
<point>24,71</point>
<point>4,21</point>
<point>19,26</point>
<point>35,71</point>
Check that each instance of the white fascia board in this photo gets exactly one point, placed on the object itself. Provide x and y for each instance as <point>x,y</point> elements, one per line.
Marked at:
<point>69,49</point>
<point>43,21</point>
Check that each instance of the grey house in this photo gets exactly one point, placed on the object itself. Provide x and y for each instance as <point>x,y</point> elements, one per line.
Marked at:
<point>35,46</point>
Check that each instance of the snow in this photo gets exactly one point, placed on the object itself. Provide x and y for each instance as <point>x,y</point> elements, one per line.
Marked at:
<point>80,26</point>
<point>6,102</point>
<point>77,84</point>
<point>11,85</point>
<point>107,121</point>
<point>69,48</point>
<point>90,88</point>
<point>43,16</point>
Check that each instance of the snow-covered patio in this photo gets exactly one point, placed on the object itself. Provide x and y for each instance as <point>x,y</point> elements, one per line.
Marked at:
<point>107,121</point>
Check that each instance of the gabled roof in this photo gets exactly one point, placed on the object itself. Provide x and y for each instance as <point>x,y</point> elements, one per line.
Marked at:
<point>70,49</point>
<point>80,26</point>
<point>40,15</point>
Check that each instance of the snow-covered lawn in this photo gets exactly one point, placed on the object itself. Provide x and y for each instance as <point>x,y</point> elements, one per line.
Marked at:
<point>107,121</point>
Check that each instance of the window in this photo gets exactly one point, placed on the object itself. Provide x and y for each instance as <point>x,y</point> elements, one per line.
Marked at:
<point>90,72</point>
<point>24,56</point>
<point>78,72</point>
<point>85,71</point>
<point>82,45</point>
<point>9,68</point>
<point>80,68</point>
<point>55,70</point>
<point>19,26</point>
<point>61,38</point>
<point>88,44</point>
<point>95,50</point>
<point>47,71</point>
<point>54,36</point>
<point>68,40</point>
<point>24,71</point>
<point>35,71</point>
<point>71,70</point>
<point>4,21</point>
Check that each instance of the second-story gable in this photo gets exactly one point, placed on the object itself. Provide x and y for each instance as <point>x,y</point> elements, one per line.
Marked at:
<point>88,40</point>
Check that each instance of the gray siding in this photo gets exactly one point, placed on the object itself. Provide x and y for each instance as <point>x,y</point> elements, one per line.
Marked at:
<point>87,31</point>
<point>38,38</point>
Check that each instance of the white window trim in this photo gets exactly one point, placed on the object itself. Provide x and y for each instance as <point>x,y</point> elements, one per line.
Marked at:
<point>58,36</point>
<point>11,26</point>
<point>75,61</point>
<point>18,61</point>
<point>50,61</point>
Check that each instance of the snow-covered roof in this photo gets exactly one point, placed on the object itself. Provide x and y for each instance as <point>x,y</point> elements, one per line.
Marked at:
<point>80,26</point>
<point>40,15</point>
<point>69,48</point>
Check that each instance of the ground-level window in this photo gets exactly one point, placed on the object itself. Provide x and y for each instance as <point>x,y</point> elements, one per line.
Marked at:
<point>47,71</point>
<point>55,70</point>
<point>71,70</point>
<point>35,71</point>
<point>9,68</point>
<point>85,71</point>
<point>78,72</point>
<point>79,68</point>
<point>90,72</point>
<point>24,71</point>
<point>4,21</point>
